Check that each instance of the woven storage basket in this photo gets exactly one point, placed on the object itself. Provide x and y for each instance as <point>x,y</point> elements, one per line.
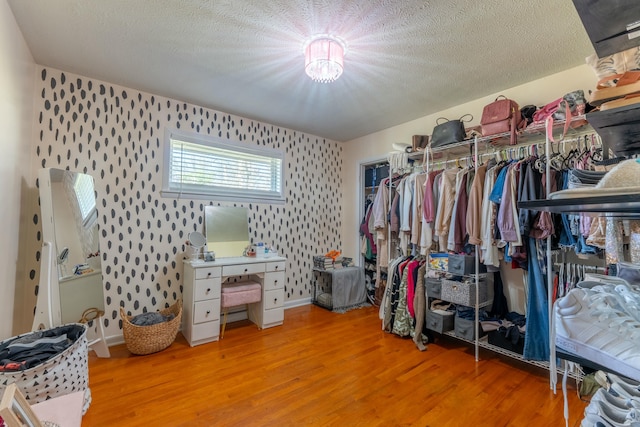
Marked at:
<point>152,338</point>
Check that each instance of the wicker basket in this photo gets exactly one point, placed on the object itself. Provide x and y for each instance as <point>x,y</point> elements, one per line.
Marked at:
<point>152,338</point>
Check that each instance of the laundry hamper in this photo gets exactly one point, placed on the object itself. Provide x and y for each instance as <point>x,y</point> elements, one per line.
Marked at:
<point>65,373</point>
<point>152,338</point>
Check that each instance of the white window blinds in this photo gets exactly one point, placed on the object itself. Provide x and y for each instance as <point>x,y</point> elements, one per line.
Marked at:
<point>83,187</point>
<point>208,167</point>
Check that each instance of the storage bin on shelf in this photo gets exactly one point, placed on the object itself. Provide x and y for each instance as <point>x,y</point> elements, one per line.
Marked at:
<point>464,292</point>
<point>440,321</point>
<point>499,339</point>
<point>465,328</point>
<point>433,286</point>
<point>438,261</point>
<point>149,339</point>
<point>464,264</point>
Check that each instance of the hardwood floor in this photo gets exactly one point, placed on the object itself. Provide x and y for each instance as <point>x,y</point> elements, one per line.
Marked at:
<point>321,369</point>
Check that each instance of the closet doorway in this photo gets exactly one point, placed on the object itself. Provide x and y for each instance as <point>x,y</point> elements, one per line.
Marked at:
<point>371,174</point>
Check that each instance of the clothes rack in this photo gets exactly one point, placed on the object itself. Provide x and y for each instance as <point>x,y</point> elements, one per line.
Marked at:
<point>471,154</point>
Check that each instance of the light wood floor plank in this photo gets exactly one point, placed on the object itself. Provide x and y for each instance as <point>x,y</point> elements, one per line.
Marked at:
<point>321,369</point>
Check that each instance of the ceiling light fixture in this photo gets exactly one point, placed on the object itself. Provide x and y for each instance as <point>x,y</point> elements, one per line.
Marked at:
<point>324,58</point>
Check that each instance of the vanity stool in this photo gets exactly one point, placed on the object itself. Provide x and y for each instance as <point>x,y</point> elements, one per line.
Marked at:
<point>235,294</point>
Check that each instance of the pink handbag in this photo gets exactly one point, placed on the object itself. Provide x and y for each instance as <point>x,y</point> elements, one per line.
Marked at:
<point>547,111</point>
<point>502,115</point>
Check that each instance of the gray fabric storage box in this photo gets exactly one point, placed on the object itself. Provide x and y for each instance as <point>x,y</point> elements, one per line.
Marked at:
<point>439,322</point>
<point>464,265</point>
<point>433,287</point>
<point>463,293</point>
<point>464,328</point>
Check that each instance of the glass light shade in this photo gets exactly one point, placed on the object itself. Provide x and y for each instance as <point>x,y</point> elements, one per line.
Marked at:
<point>324,59</point>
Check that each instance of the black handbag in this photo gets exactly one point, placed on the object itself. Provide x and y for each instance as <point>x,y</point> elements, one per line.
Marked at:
<point>449,132</point>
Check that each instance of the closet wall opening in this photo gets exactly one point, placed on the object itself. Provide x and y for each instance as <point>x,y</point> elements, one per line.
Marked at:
<point>371,173</point>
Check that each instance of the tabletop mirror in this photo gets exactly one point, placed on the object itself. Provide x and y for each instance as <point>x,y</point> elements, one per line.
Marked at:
<point>227,230</point>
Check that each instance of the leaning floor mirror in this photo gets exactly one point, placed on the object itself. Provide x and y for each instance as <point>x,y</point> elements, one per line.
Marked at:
<point>71,287</point>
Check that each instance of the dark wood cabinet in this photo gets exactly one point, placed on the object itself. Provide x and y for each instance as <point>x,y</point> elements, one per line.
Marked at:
<point>612,25</point>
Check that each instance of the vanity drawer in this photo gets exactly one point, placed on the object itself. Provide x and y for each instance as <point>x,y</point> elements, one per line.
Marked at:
<point>276,266</point>
<point>273,316</point>
<point>240,270</point>
<point>273,298</point>
<point>205,331</point>
<point>207,289</point>
<point>205,311</point>
<point>273,280</point>
<point>207,272</point>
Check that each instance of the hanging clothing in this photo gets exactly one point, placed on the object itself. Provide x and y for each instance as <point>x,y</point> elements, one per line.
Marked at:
<point>417,209</point>
<point>419,305</point>
<point>489,253</point>
<point>380,211</point>
<point>447,191</point>
<point>474,208</point>
<point>460,219</point>
<point>368,240</point>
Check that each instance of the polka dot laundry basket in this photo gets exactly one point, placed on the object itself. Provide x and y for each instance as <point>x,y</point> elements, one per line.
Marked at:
<point>66,372</point>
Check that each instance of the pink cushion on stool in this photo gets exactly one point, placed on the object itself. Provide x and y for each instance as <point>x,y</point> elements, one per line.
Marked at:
<point>240,293</point>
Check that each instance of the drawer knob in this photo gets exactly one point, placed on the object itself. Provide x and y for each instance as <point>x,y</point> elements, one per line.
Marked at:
<point>275,281</point>
<point>246,269</point>
<point>275,300</point>
<point>208,312</point>
<point>208,290</point>
<point>276,267</point>
<point>209,274</point>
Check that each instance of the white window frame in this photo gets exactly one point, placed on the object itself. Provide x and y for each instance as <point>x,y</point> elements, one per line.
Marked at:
<point>175,189</point>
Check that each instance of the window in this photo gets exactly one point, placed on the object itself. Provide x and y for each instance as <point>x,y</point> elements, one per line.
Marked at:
<point>83,187</point>
<point>196,165</point>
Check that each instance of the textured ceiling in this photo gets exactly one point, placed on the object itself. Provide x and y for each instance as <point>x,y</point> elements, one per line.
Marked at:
<point>405,59</point>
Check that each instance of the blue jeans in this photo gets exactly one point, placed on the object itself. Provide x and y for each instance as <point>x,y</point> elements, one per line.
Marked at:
<point>536,340</point>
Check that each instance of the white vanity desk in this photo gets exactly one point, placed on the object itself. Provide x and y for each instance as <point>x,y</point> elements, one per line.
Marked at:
<point>201,294</point>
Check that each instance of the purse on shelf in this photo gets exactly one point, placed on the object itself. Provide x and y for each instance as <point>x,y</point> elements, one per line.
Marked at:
<point>420,142</point>
<point>528,111</point>
<point>547,111</point>
<point>449,131</point>
<point>501,116</point>
<point>566,108</point>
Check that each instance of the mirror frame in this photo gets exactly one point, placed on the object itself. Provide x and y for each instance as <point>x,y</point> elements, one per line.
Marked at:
<point>81,291</point>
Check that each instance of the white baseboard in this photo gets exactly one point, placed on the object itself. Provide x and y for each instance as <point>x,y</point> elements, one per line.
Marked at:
<point>297,303</point>
<point>232,317</point>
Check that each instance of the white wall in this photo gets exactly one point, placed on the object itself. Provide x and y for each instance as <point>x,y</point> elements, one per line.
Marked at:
<point>17,70</point>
